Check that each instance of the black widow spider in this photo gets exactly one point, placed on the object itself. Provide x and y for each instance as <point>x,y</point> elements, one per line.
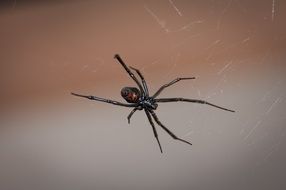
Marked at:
<point>139,99</point>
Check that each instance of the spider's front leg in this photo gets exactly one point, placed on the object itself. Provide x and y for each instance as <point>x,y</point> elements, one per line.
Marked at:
<point>166,129</point>
<point>153,127</point>
<point>169,84</point>
<point>164,100</point>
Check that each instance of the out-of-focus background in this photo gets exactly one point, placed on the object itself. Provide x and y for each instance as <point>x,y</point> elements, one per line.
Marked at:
<point>49,139</point>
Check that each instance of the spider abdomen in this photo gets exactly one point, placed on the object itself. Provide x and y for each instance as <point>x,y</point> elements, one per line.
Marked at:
<point>130,94</point>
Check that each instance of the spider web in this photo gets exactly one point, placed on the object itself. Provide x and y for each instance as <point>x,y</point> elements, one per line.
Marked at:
<point>51,140</point>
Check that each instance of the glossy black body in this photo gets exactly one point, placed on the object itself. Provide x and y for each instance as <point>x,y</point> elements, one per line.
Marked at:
<point>139,99</point>
<point>131,94</point>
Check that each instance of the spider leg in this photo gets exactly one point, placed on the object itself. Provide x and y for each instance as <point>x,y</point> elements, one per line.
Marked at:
<point>131,113</point>
<point>154,129</point>
<point>129,72</point>
<point>166,129</point>
<point>190,100</point>
<point>142,79</point>
<point>105,100</point>
<point>169,84</point>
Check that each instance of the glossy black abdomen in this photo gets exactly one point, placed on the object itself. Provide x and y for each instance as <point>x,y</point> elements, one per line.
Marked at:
<point>130,94</point>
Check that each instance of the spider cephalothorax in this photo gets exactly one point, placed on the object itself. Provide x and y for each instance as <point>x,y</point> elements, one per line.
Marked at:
<point>139,99</point>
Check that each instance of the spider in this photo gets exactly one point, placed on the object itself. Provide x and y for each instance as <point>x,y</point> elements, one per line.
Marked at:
<point>139,99</point>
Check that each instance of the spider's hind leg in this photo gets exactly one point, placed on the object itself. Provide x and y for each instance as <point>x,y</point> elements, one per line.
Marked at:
<point>166,129</point>
<point>142,80</point>
<point>104,100</point>
<point>116,56</point>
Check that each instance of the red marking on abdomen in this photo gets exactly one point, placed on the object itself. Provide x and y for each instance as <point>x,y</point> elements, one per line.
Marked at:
<point>132,97</point>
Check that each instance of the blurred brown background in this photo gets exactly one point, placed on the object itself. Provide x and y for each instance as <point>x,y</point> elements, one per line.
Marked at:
<point>52,140</point>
